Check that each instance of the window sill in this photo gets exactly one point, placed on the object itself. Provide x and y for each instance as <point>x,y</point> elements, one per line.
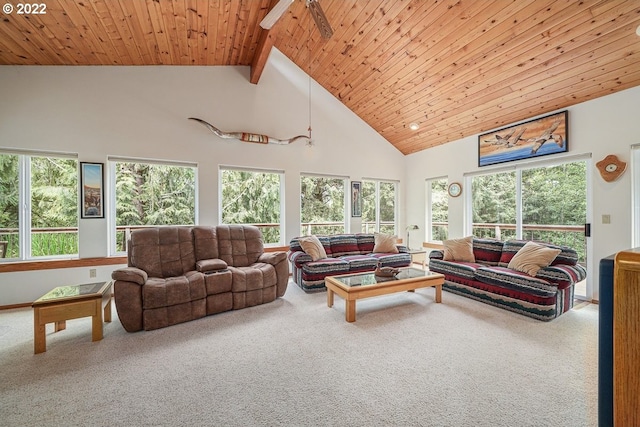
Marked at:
<point>61,263</point>
<point>17,266</point>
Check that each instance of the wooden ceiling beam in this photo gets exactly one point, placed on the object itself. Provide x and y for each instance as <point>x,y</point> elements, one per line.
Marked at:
<point>261,55</point>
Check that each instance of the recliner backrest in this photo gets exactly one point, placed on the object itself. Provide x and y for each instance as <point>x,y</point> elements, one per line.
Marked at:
<point>162,251</point>
<point>239,245</point>
<point>205,242</point>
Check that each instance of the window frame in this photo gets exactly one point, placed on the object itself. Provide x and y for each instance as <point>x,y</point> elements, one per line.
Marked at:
<point>377,182</point>
<point>111,194</point>
<point>281,175</point>
<point>517,169</point>
<point>429,207</point>
<point>25,226</point>
<point>346,198</point>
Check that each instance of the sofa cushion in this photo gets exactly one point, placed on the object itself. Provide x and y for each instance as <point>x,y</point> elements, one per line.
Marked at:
<point>512,279</point>
<point>256,276</point>
<point>294,245</point>
<point>366,242</point>
<point>318,270</point>
<point>532,257</point>
<point>344,244</point>
<point>239,245</point>
<point>158,292</point>
<point>567,256</point>
<point>360,262</point>
<point>311,246</point>
<point>401,259</point>
<point>487,251</point>
<point>385,243</point>
<point>162,251</point>
<point>466,270</point>
<point>459,249</point>
<point>205,241</point>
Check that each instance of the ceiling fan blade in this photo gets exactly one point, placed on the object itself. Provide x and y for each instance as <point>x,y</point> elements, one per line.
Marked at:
<point>274,14</point>
<point>321,20</point>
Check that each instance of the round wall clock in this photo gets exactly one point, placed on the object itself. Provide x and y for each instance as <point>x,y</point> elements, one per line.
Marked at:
<point>611,168</point>
<point>455,189</point>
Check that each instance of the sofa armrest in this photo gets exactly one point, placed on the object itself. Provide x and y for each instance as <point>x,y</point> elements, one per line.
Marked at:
<point>273,258</point>
<point>211,265</point>
<point>563,275</point>
<point>402,249</point>
<point>280,264</point>
<point>436,254</point>
<point>130,274</point>
<point>299,258</point>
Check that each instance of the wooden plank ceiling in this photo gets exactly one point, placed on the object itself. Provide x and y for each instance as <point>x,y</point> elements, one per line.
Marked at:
<point>455,67</point>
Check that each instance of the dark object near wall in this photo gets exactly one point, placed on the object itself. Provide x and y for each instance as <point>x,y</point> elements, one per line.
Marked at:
<point>605,343</point>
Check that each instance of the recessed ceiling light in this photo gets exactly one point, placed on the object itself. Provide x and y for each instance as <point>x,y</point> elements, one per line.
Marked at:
<point>414,126</point>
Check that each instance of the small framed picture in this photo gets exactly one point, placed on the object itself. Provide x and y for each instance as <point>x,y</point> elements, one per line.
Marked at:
<point>356,198</point>
<point>92,190</point>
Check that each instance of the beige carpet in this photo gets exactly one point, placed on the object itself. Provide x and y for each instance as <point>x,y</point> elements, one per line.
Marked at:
<point>406,361</point>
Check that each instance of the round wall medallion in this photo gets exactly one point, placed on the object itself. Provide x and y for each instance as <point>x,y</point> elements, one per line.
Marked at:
<point>455,189</point>
<point>611,168</point>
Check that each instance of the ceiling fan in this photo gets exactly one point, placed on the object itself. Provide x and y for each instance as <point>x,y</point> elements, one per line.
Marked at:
<point>316,12</point>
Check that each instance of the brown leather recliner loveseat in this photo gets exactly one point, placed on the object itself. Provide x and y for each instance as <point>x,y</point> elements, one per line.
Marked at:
<point>177,274</point>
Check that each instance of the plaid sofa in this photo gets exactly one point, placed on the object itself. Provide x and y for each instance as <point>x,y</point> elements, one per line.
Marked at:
<point>544,296</point>
<point>346,253</point>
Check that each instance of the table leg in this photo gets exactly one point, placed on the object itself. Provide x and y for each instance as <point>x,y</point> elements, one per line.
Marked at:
<point>39,333</point>
<point>96,322</point>
<point>329,297</point>
<point>438,293</point>
<point>350,310</point>
<point>107,311</point>
<point>60,325</point>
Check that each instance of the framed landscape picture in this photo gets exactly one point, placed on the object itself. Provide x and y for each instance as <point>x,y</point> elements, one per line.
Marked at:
<point>92,190</point>
<point>539,137</point>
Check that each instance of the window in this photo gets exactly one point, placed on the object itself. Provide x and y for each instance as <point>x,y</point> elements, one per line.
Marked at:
<point>47,186</point>
<point>379,206</point>
<point>494,205</point>
<point>437,210</point>
<point>150,194</point>
<point>322,204</point>
<point>253,197</point>
<point>547,203</point>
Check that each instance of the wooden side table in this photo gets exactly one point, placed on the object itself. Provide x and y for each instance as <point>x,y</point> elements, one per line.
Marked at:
<point>71,302</point>
<point>419,256</point>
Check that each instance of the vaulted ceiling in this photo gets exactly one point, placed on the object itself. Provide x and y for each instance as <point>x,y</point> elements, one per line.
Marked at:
<point>455,67</point>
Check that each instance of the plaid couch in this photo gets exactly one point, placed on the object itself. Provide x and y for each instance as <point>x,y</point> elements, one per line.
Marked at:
<point>544,296</point>
<point>346,253</point>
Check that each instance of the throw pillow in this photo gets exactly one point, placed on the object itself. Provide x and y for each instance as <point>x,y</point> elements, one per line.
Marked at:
<point>311,246</point>
<point>532,257</point>
<point>385,243</point>
<point>459,250</point>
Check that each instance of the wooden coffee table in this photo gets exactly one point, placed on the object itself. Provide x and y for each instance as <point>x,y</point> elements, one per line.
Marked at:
<point>352,287</point>
<point>71,302</point>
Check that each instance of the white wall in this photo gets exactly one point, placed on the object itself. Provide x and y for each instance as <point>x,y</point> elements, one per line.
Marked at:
<point>607,125</point>
<point>142,112</point>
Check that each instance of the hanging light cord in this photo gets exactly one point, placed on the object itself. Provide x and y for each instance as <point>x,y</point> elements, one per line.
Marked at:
<point>309,72</point>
